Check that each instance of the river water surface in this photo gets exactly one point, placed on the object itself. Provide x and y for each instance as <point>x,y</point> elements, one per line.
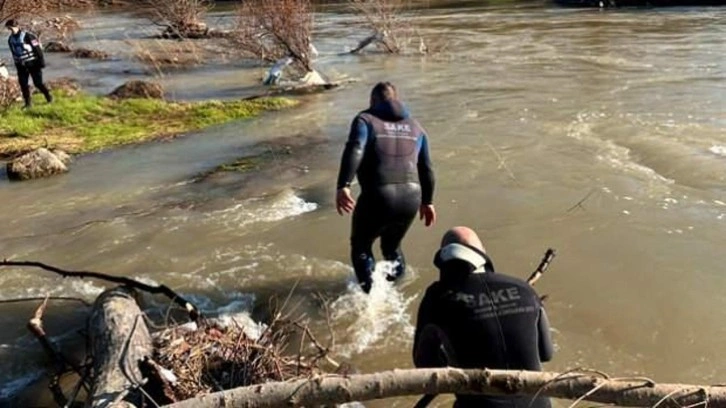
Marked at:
<point>601,134</point>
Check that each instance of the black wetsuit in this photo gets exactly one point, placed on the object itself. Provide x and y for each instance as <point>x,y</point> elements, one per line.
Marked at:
<point>457,316</point>
<point>29,61</point>
<point>388,151</point>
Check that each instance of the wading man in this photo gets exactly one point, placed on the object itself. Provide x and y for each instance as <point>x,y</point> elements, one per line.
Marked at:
<point>476,318</point>
<point>388,151</point>
<point>29,60</point>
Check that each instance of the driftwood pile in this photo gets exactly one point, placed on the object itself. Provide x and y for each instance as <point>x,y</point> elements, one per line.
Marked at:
<point>221,357</point>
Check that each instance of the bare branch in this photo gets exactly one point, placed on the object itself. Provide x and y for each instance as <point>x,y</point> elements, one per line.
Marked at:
<point>193,311</point>
<point>271,30</point>
<point>391,30</point>
<point>332,389</point>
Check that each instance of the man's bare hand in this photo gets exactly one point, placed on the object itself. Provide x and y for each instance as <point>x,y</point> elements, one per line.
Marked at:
<point>427,212</point>
<point>344,201</point>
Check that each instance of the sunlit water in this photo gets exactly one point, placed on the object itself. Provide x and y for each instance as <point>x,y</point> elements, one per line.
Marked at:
<point>601,134</point>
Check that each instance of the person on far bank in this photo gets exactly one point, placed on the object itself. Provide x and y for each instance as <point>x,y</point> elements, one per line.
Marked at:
<point>29,60</point>
<point>473,317</point>
<point>388,152</point>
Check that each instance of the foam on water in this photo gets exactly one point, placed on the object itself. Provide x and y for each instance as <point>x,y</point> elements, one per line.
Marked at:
<point>377,319</point>
<point>719,150</point>
<point>263,209</point>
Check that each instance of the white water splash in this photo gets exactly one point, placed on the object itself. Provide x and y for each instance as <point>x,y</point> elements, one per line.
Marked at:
<point>376,319</point>
<point>719,150</point>
<point>266,209</point>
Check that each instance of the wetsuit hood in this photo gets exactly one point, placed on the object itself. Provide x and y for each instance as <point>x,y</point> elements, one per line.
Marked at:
<point>390,111</point>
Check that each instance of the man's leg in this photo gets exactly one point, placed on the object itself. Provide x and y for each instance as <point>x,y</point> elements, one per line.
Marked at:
<point>404,200</point>
<point>365,228</point>
<point>37,74</point>
<point>391,246</point>
<point>23,76</point>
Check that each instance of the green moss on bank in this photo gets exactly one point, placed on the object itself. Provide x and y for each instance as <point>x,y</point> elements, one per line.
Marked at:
<point>83,123</point>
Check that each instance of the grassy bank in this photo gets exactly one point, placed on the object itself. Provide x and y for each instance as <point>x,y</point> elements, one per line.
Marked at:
<point>83,123</point>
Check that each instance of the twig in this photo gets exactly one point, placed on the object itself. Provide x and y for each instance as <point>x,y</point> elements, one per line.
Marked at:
<point>35,325</point>
<point>30,299</point>
<point>564,375</point>
<point>587,394</point>
<point>502,162</point>
<point>193,311</point>
<point>579,203</point>
<point>542,267</point>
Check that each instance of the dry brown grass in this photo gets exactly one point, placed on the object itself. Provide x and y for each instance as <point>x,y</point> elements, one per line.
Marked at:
<point>22,8</point>
<point>162,56</point>
<point>9,93</point>
<point>269,30</point>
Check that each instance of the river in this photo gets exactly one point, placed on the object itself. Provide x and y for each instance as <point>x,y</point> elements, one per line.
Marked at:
<point>599,133</point>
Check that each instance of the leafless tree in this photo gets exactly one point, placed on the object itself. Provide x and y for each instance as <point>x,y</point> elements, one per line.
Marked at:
<point>271,30</point>
<point>22,8</point>
<point>392,30</point>
<point>180,18</point>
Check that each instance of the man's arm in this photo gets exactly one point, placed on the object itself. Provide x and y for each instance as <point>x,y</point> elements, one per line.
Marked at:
<point>423,318</point>
<point>353,152</point>
<point>546,349</point>
<point>31,39</point>
<point>425,171</point>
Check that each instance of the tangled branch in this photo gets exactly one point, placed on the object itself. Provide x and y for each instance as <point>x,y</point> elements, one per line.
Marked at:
<point>193,311</point>
<point>271,30</point>
<point>385,17</point>
<point>180,18</point>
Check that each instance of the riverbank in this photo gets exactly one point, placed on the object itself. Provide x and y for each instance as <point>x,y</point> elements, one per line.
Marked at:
<point>85,123</point>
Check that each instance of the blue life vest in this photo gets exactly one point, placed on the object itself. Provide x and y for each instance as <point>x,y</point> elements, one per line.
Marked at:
<point>22,52</point>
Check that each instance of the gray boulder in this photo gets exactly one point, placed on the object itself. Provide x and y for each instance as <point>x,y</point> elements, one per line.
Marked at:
<point>37,164</point>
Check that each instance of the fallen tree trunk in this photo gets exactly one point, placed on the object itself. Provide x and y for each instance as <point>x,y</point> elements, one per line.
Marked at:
<point>119,339</point>
<point>590,386</point>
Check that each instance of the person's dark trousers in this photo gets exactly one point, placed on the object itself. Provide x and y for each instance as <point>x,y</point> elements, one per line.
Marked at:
<point>24,74</point>
<point>385,212</point>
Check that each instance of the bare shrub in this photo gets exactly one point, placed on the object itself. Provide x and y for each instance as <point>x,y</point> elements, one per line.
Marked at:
<point>138,89</point>
<point>386,19</point>
<point>271,30</point>
<point>180,18</point>
<point>9,93</point>
<point>60,29</point>
<point>22,8</point>
<point>86,53</point>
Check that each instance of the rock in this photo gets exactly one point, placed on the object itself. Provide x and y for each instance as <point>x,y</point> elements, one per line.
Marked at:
<point>191,30</point>
<point>138,89</point>
<point>66,85</point>
<point>36,164</point>
<point>57,46</point>
<point>64,157</point>
<point>89,54</point>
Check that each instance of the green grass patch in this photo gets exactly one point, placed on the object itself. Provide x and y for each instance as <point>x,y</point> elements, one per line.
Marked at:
<point>83,123</point>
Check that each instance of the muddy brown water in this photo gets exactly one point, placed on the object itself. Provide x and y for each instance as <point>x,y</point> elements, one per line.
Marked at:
<point>531,109</point>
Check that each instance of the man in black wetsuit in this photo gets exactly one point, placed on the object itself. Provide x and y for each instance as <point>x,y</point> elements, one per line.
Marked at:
<point>29,60</point>
<point>476,318</point>
<point>388,151</point>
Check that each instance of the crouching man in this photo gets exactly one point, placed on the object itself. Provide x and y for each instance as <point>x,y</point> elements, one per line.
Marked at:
<point>476,318</point>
